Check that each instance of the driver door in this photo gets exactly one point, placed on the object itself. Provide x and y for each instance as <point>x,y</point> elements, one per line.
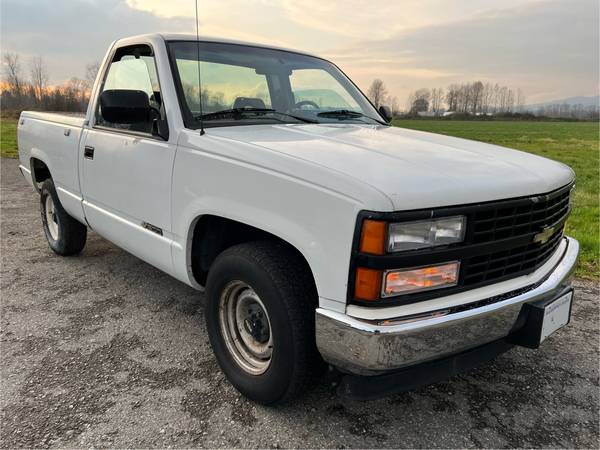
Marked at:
<point>126,169</point>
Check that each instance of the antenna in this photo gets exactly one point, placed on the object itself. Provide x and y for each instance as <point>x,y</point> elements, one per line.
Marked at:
<point>199,82</point>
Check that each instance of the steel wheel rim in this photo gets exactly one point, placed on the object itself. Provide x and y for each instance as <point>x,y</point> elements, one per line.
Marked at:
<point>51,219</point>
<point>246,327</point>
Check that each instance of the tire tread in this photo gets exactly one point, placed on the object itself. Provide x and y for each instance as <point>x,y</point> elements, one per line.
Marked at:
<point>72,235</point>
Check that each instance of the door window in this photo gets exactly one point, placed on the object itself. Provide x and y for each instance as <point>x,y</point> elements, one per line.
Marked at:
<point>133,68</point>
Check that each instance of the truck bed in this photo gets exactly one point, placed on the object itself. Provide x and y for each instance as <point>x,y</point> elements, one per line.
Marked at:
<point>54,139</point>
<point>71,119</point>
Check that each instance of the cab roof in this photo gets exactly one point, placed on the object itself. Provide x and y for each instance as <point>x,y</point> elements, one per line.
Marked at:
<point>192,37</point>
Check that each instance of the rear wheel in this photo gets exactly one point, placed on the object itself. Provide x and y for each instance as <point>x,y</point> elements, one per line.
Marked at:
<point>65,235</point>
<point>260,320</point>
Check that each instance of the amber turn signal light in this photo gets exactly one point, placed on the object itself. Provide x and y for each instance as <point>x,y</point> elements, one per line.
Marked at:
<point>421,279</point>
<point>372,237</point>
<point>367,285</point>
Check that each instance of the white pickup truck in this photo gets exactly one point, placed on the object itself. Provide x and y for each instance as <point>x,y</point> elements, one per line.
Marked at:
<point>319,232</point>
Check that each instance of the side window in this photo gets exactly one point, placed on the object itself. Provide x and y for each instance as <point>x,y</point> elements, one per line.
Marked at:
<point>132,68</point>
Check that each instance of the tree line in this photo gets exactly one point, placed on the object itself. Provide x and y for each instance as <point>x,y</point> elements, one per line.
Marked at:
<point>25,86</point>
<point>576,111</point>
<point>475,98</point>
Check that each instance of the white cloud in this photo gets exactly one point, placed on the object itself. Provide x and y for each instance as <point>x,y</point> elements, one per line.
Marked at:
<point>548,48</point>
<point>69,34</point>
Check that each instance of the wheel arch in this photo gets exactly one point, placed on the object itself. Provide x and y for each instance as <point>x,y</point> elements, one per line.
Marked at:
<point>40,172</point>
<point>209,235</point>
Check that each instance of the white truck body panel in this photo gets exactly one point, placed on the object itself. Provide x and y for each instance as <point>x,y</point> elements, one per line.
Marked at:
<point>127,183</point>
<point>414,169</point>
<point>312,208</point>
<point>54,139</point>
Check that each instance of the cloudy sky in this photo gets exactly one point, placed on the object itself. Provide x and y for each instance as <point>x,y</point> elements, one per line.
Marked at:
<point>548,48</point>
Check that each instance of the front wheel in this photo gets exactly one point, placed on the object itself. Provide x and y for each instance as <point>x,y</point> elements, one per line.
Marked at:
<point>260,320</point>
<point>65,235</point>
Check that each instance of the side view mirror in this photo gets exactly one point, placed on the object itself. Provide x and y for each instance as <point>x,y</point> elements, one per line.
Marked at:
<point>125,106</point>
<point>386,113</point>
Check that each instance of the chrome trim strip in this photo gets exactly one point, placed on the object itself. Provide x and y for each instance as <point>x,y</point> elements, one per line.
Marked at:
<point>69,193</point>
<point>126,222</point>
<point>364,348</point>
<point>23,168</point>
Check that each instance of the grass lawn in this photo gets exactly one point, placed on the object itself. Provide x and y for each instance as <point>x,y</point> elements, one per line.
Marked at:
<point>574,143</point>
<point>8,138</point>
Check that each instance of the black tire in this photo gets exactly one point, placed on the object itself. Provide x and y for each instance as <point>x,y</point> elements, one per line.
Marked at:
<point>279,278</point>
<point>71,235</point>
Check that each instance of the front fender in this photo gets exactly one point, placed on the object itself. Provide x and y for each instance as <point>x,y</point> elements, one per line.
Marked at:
<point>317,222</point>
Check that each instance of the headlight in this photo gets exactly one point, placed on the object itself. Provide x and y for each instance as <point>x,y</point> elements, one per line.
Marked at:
<point>425,233</point>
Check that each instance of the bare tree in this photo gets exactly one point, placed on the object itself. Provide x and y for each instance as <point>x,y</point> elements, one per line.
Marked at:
<point>377,93</point>
<point>502,99</point>
<point>91,71</point>
<point>465,95</point>
<point>486,98</point>
<point>75,90</point>
<point>476,95</point>
<point>510,100</point>
<point>495,98</point>
<point>452,97</point>
<point>520,100</point>
<point>12,72</point>
<point>39,77</point>
<point>437,100</point>
<point>394,105</point>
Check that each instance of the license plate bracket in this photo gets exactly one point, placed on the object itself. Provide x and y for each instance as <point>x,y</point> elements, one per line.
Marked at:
<point>543,318</point>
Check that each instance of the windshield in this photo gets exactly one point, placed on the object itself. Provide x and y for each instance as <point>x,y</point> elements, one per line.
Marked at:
<point>244,85</point>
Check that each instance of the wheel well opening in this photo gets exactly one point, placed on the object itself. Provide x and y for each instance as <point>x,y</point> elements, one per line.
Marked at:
<point>39,170</point>
<point>214,234</point>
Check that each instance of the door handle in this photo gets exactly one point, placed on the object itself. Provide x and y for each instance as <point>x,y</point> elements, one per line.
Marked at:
<point>88,152</point>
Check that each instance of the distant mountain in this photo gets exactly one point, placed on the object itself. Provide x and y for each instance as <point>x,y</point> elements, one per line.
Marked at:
<point>585,101</point>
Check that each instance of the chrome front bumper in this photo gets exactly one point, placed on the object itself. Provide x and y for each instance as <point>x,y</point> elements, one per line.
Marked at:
<point>364,348</point>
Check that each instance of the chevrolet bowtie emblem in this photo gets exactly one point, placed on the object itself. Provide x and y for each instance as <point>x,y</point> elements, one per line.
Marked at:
<point>543,236</point>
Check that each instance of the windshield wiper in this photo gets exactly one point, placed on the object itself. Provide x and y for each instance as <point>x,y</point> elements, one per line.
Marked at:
<point>239,112</point>
<point>233,112</point>
<point>346,114</point>
<point>303,119</point>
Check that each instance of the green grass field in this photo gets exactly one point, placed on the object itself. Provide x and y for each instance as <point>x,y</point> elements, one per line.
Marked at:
<point>574,143</point>
<point>8,138</point>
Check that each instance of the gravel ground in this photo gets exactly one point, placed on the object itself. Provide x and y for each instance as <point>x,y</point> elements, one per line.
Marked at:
<point>103,350</point>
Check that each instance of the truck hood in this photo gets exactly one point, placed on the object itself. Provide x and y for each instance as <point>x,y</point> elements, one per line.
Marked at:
<point>413,169</point>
